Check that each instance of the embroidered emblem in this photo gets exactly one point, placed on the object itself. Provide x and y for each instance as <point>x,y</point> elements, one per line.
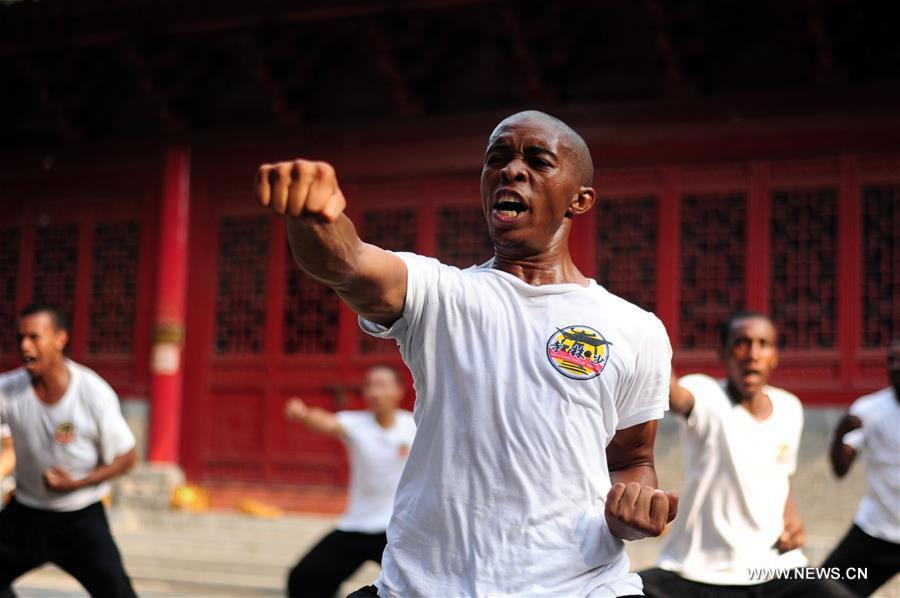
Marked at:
<point>578,352</point>
<point>65,433</point>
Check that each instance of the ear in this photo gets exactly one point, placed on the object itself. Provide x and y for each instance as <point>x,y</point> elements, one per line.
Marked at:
<point>583,201</point>
<point>61,339</point>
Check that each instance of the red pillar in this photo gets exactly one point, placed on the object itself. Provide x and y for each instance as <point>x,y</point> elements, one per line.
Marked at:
<point>169,320</point>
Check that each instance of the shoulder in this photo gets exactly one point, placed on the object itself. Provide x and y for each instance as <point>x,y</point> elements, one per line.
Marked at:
<point>702,385</point>
<point>354,417</point>
<point>13,383</point>
<point>872,403</point>
<point>785,400</point>
<point>406,417</point>
<point>94,387</point>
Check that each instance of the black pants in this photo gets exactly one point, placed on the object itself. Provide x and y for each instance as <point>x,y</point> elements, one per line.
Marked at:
<point>78,542</point>
<point>320,573</point>
<point>880,558</point>
<point>372,592</point>
<point>659,583</point>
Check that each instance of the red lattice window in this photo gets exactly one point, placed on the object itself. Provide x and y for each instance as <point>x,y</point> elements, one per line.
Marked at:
<point>804,238</point>
<point>10,240</point>
<point>881,265</point>
<point>113,287</point>
<point>55,263</point>
<point>626,248</point>
<point>463,239</point>
<point>241,292</point>
<point>713,231</point>
<point>393,229</point>
<point>310,312</point>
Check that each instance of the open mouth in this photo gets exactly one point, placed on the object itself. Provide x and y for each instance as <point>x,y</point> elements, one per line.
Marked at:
<point>508,205</point>
<point>29,359</point>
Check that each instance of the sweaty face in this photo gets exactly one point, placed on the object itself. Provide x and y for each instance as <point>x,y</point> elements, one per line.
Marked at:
<point>528,184</point>
<point>40,344</point>
<point>750,355</point>
<point>381,390</point>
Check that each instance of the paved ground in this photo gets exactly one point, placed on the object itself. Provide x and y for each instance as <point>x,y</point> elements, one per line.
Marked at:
<point>228,554</point>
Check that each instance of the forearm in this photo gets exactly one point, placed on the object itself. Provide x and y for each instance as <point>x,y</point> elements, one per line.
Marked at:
<point>371,281</point>
<point>7,461</point>
<point>321,421</point>
<point>105,472</point>
<point>327,251</point>
<point>842,456</point>
<point>641,473</point>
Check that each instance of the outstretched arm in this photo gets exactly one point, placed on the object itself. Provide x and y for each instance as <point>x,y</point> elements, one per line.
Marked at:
<point>324,241</point>
<point>635,508</point>
<point>315,418</point>
<point>681,400</point>
<point>59,480</point>
<point>842,455</point>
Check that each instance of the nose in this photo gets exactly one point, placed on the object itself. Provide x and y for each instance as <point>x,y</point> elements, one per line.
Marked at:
<point>755,350</point>
<point>513,171</point>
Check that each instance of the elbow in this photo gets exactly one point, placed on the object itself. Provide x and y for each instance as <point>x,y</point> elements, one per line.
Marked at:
<point>129,460</point>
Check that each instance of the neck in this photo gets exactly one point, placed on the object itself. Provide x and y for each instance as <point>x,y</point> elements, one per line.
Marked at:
<point>51,386</point>
<point>385,419</point>
<point>758,404</point>
<point>551,266</point>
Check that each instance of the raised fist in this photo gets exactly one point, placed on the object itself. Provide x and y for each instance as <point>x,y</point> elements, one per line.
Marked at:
<point>634,511</point>
<point>295,409</point>
<point>300,188</point>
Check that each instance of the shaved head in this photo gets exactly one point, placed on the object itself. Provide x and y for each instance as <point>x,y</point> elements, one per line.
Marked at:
<point>581,154</point>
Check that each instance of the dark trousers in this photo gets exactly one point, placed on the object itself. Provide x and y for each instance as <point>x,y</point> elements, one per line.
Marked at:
<point>880,558</point>
<point>78,542</point>
<point>659,583</point>
<point>320,573</point>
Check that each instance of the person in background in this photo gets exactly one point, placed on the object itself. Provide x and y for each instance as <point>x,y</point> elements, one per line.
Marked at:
<point>871,429</point>
<point>740,439</point>
<point>378,441</point>
<point>70,440</point>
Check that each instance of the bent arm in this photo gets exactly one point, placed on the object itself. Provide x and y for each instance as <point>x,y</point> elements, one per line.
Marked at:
<point>681,400</point>
<point>842,455</point>
<point>635,508</point>
<point>7,457</point>
<point>793,535</point>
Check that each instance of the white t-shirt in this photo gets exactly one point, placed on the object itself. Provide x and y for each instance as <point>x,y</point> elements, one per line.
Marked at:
<point>377,457</point>
<point>84,428</point>
<point>878,442</point>
<point>519,389</point>
<point>731,511</point>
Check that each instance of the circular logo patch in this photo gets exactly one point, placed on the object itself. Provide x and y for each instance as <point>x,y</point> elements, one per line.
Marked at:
<point>578,352</point>
<point>65,433</point>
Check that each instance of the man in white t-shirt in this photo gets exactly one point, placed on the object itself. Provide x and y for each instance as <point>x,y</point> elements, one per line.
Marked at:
<point>871,428</point>
<point>740,438</point>
<point>70,439</point>
<point>537,391</point>
<point>378,441</point>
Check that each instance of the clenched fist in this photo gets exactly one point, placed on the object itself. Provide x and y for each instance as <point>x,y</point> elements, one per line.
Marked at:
<point>634,511</point>
<point>300,188</point>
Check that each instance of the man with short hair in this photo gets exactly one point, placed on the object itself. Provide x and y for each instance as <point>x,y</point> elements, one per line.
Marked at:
<point>70,439</point>
<point>378,441</point>
<point>871,428</point>
<point>738,523</point>
<point>537,390</point>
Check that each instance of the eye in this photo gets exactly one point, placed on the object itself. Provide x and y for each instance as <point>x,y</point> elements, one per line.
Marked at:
<point>536,162</point>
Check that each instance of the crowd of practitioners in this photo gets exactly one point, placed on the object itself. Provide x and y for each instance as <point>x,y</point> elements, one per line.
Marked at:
<point>529,459</point>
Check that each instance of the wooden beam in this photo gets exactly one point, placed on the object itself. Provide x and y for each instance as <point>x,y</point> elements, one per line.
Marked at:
<point>676,84</point>
<point>136,62</point>
<point>528,64</point>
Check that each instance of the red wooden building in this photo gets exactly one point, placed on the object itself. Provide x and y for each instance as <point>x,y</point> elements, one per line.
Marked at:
<point>753,166</point>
